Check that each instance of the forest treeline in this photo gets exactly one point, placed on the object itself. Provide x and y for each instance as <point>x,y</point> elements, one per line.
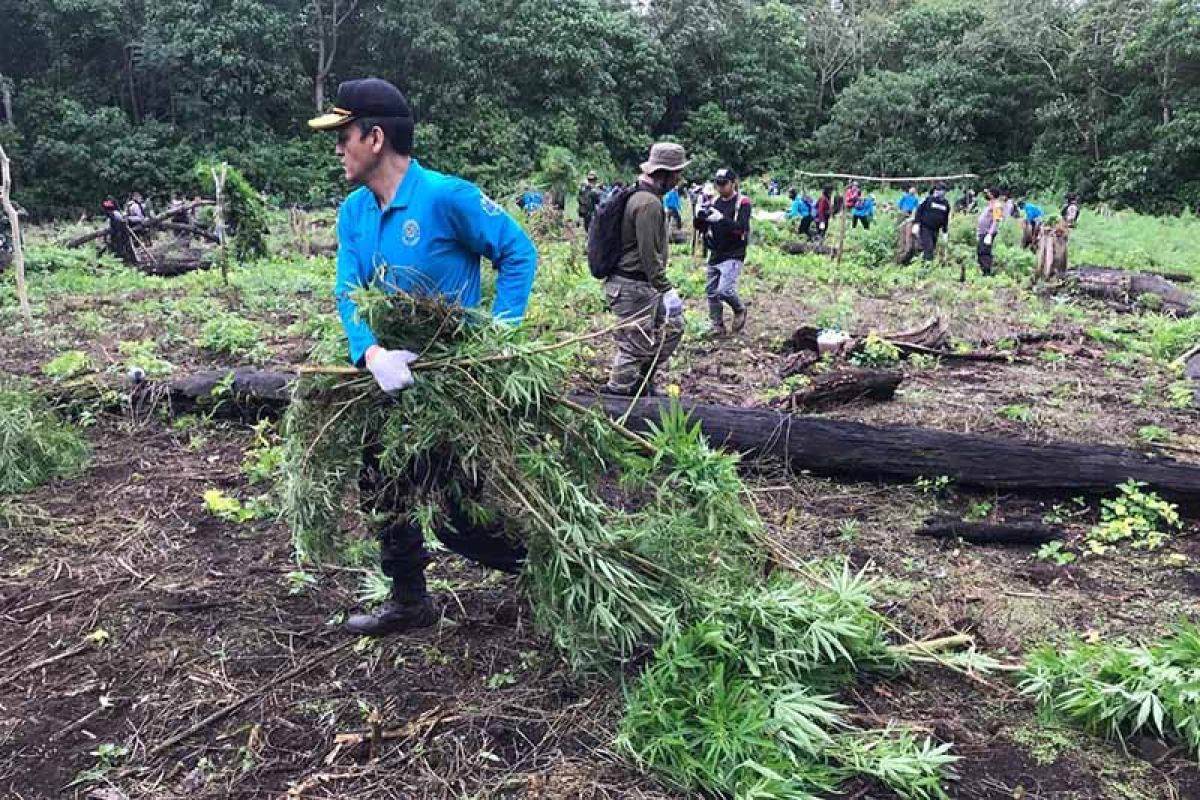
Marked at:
<point>106,96</point>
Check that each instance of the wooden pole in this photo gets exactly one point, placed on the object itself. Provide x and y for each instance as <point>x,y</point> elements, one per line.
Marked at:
<point>14,225</point>
<point>219,218</point>
<point>879,179</point>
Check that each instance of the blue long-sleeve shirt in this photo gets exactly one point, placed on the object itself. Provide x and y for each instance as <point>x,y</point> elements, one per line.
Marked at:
<point>428,241</point>
<point>865,207</point>
<point>1033,213</point>
<point>908,203</point>
<point>800,208</point>
<point>672,201</point>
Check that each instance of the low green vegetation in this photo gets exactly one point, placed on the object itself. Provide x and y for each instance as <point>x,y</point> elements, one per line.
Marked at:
<point>740,696</point>
<point>1137,517</point>
<point>1121,690</point>
<point>35,444</point>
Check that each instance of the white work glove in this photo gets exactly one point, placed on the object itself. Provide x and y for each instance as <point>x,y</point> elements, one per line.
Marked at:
<point>987,240</point>
<point>391,369</point>
<point>673,303</point>
<point>714,215</point>
<point>916,229</point>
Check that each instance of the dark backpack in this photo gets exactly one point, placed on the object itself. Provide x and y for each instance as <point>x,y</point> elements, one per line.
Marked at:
<point>604,235</point>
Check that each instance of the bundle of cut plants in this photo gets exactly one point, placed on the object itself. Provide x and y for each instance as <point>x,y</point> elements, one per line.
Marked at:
<point>634,544</point>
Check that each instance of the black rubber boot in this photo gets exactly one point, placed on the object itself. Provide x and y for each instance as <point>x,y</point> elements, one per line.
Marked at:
<point>739,320</point>
<point>409,608</point>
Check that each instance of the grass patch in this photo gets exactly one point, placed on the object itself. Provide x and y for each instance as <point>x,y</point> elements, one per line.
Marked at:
<point>35,445</point>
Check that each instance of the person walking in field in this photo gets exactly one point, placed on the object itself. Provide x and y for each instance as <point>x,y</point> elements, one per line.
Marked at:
<point>408,228</point>
<point>638,291</point>
<point>824,210</point>
<point>803,209</point>
<point>932,218</point>
<point>987,228</point>
<point>673,206</point>
<point>589,198</point>
<point>725,224</point>
<point>909,201</point>
<point>1033,222</point>
<point>864,212</point>
<point>1070,211</point>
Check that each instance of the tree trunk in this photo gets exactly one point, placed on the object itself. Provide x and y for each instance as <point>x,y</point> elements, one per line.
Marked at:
<point>1128,289</point>
<point>851,449</point>
<point>990,533</point>
<point>6,100</point>
<point>14,226</point>
<point>906,244</point>
<point>1052,252</point>
<point>150,222</point>
<point>812,444</point>
<point>846,386</point>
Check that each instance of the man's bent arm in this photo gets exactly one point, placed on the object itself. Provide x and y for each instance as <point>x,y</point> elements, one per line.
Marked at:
<point>489,231</point>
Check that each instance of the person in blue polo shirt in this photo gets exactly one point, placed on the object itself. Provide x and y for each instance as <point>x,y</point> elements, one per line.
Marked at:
<point>411,229</point>
<point>908,202</point>
<point>1033,222</point>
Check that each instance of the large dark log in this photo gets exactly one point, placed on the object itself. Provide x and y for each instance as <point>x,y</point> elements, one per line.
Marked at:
<point>804,248</point>
<point>1011,533</point>
<point>1126,288</point>
<point>907,244</point>
<point>811,444</point>
<point>191,230</point>
<point>149,222</point>
<point>841,448</point>
<point>846,386</point>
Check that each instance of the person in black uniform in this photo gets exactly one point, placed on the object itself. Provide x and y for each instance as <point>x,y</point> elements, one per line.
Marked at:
<point>933,215</point>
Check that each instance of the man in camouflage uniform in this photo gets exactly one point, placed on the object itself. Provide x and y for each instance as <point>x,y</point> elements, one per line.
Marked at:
<point>638,292</point>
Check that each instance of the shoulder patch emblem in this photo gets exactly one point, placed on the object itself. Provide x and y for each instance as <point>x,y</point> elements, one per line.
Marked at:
<point>412,232</point>
<point>489,206</point>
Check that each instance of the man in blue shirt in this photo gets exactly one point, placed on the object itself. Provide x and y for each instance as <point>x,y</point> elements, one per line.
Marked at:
<point>1033,222</point>
<point>908,202</point>
<point>408,228</point>
<point>864,212</point>
<point>673,205</point>
<point>531,201</point>
<point>801,209</point>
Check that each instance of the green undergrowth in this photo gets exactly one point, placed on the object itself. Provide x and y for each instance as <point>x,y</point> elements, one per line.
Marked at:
<point>1122,690</point>
<point>633,546</point>
<point>35,444</point>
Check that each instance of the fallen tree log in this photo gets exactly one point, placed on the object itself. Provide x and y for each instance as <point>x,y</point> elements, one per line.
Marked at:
<point>818,445</point>
<point>804,248</point>
<point>191,230</point>
<point>841,448</point>
<point>932,335</point>
<point>149,222</point>
<point>1009,533</point>
<point>1132,288</point>
<point>845,386</point>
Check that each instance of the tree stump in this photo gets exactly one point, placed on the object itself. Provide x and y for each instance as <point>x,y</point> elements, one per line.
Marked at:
<point>1051,251</point>
<point>907,244</point>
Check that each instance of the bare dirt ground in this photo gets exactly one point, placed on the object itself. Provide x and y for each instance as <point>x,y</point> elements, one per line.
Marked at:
<point>129,614</point>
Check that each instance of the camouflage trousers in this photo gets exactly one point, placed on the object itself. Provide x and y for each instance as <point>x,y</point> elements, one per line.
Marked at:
<point>647,339</point>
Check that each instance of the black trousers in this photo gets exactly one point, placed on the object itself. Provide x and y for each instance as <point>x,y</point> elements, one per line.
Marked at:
<point>806,226</point>
<point>402,553</point>
<point>983,253</point>
<point>866,222</point>
<point>928,242</point>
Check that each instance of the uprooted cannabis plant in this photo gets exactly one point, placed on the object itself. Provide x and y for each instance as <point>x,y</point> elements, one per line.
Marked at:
<point>35,444</point>
<point>1121,690</point>
<point>633,544</point>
